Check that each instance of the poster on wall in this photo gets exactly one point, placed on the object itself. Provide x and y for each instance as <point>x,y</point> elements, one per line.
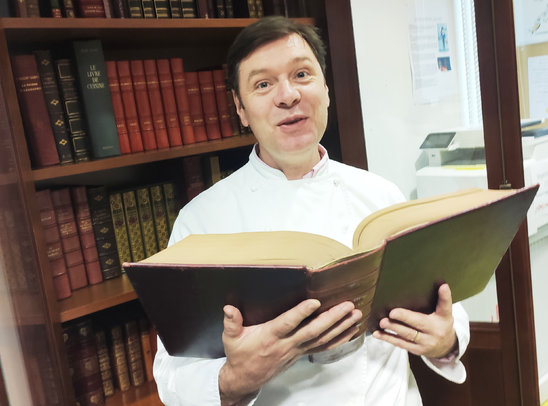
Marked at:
<point>431,54</point>
<point>531,21</point>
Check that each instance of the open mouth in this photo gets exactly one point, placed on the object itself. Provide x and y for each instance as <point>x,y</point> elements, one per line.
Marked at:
<point>291,121</point>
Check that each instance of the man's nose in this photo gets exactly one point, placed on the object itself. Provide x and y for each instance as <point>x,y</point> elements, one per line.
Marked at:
<point>287,94</point>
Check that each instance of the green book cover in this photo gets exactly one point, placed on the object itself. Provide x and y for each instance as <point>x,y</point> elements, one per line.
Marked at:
<point>120,229</point>
<point>172,206</point>
<point>160,215</point>
<point>146,220</point>
<point>95,91</point>
<point>134,229</point>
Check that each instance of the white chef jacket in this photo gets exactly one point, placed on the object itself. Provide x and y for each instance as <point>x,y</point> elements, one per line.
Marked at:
<point>332,203</point>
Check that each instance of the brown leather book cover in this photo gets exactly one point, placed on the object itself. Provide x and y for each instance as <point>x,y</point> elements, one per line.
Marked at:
<point>221,97</point>
<point>130,108</point>
<point>209,104</point>
<point>156,104</point>
<point>169,103</point>
<point>118,358</point>
<point>103,357</point>
<point>148,357</point>
<point>197,116</point>
<point>400,257</point>
<point>143,105</point>
<point>189,132</point>
<point>34,111</point>
<point>134,353</point>
<point>118,107</point>
<point>193,176</point>
<point>90,8</point>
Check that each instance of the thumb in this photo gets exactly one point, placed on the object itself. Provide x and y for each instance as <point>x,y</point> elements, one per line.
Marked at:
<point>233,321</point>
<point>445,301</point>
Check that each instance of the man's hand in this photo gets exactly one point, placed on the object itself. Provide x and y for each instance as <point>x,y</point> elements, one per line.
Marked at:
<point>431,335</point>
<point>256,354</point>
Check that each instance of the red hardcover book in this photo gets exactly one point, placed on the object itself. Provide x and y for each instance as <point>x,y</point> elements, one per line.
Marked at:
<point>191,133</point>
<point>130,108</point>
<point>87,237</point>
<point>195,105</point>
<point>34,111</point>
<point>57,264</point>
<point>222,103</point>
<point>209,105</point>
<point>170,106</point>
<point>143,105</point>
<point>90,8</point>
<point>70,239</point>
<point>118,107</point>
<point>156,107</point>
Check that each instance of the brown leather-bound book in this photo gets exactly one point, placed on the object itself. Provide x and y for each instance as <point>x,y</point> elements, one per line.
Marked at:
<point>70,239</point>
<point>400,256</point>
<point>52,238</point>
<point>119,358</point>
<point>209,104</point>
<point>196,107</point>
<point>190,132</point>
<point>237,127</point>
<point>85,231</point>
<point>130,108</point>
<point>193,176</point>
<point>156,105</point>
<point>118,107</point>
<point>134,353</point>
<point>222,102</point>
<point>90,8</point>
<point>169,103</point>
<point>34,111</point>
<point>148,357</point>
<point>143,105</point>
<point>103,356</point>
<point>172,204</point>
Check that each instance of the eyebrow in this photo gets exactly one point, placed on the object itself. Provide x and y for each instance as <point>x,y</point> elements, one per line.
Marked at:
<point>295,60</point>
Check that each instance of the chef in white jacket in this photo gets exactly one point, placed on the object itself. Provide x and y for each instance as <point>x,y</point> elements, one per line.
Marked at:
<point>276,68</point>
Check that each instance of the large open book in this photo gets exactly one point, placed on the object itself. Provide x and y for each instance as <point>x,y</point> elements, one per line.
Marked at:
<point>400,256</point>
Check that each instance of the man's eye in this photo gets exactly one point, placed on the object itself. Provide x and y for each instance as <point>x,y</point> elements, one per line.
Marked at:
<point>262,85</point>
<point>301,74</point>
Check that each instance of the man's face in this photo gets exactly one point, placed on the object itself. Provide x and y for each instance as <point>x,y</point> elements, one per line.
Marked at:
<point>284,99</point>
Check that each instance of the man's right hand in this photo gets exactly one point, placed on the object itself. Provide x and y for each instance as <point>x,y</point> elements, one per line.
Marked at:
<point>256,354</point>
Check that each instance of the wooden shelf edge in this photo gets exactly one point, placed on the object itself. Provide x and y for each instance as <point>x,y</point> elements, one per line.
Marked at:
<point>97,297</point>
<point>56,172</point>
<point>144,395</point>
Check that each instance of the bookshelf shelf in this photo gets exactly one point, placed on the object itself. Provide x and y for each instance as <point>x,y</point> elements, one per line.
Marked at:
<point>144,395</point>
<point>97,297</point>
<point>60,171</point>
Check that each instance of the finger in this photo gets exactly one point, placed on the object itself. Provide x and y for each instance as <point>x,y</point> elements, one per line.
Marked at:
<point>340,339</point>
<point>444,307</point>
<point>323,322</point>
<point>287,322</point>
<point>404,331</point>
<point>337,330</point>
<point>397,341</point>
<point>403,318</point>
<point>232,322</point>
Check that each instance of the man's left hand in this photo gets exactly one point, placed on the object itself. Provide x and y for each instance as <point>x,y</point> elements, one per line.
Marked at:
<point>431,335</point>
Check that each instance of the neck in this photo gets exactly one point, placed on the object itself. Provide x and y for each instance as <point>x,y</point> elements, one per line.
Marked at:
<point>295,167</point>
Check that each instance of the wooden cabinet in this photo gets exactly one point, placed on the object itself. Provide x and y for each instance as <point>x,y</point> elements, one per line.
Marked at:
<point>201,43</point>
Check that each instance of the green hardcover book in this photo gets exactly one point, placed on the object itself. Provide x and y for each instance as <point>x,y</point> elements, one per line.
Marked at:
<point>148,8</point>
<point>146,220</point>
<point>188,9</point>
<point>161,8</point>
<point>55,107</point>
<point>172,206</point>
<point>95,91</point>
<point>134,229</point>
<point>120,228</point>
<point>73,109</point>
<point>160,216</point>
<point>175,8</point>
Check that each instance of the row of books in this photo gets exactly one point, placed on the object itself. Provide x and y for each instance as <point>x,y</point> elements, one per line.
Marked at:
<point>88,108</point>
<point>154,8</point>
<point>83,230</point>
<point>109,356</point>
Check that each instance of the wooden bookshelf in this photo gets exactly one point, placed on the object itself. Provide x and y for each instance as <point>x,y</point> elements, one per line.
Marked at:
<point>144,395</point>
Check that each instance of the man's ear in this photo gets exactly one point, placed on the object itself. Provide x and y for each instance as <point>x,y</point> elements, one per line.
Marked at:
<point>240,109</point>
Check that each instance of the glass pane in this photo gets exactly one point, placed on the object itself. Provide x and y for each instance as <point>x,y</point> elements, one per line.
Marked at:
<point>421,101</point>
<point>531,28</point>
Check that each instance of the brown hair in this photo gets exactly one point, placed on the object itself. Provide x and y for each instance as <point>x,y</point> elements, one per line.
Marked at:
<point>264,31</point>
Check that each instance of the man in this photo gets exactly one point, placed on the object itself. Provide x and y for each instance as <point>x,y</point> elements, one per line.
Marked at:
<point>276,68</point>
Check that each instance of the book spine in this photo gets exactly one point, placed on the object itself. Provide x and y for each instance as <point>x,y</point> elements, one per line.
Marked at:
<point>104,362</point>
<point>103,230</point>
<point>209,105</point>
<point>87,237</point>
<point>193,176</point>
<point>234,119</point>
<point>274,7</point>
<point>52,238</point>
<point>118,107</point>
<point>161,8</point>
<point>119,9</point>
<point>148,8</point>
<point>70,239</point>
<point>130,107</point>
<point>72,109</point>
<point>175,8</point>
<point>68,9</point>
<point>229,6</point>
<point>16,274</point>
<point>170,106</point>
<point>20,8</point>
<point>220,11</point>
<point>148,357</point>
<point>195,106</point>
<point>156,107</point>
<point>135,9</point>
<point>120,227</point>
<point>119,359</point>
<point>188,9</point>
<point>134,353</point>
<point>90,8</point>
<point>134,229</point>
<point>143,105</point>
<point>34,111</point>
<point>160,216</point>
<point>183,102</point>
<point>95,92</point>
<point>221,97</point>
<point>33,8</point>
<point>146,220</point>
<point>55,108</point>
<point>172,205</point>
<point>259,10</point>
<point>202,10</point>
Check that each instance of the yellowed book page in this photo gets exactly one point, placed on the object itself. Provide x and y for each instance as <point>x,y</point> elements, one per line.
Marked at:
<point>393,220</point>
<point>257,248</point>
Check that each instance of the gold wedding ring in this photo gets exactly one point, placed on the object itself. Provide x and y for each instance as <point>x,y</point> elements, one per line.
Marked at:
<point>416,336</point>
